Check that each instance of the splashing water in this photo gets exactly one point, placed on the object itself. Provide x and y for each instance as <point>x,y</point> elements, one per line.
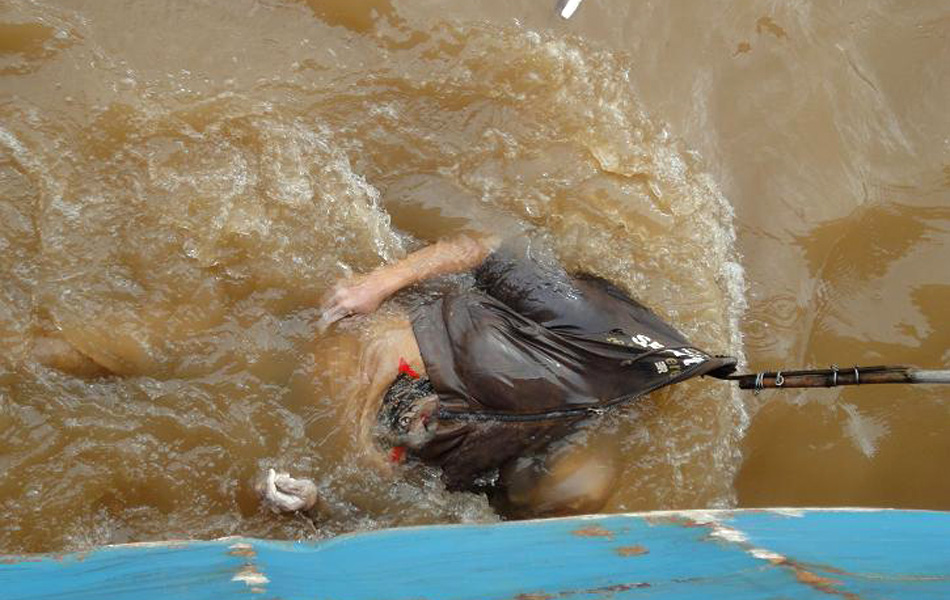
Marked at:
<point>177,212</point>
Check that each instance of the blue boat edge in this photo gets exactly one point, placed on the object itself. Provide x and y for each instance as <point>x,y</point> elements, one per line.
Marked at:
<point>863,553</point>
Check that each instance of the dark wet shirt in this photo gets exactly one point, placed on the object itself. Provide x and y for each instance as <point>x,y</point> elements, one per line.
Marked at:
<point>531,351</point>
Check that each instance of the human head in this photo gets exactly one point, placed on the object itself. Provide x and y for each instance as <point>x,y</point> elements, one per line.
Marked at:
<point>409,413</point>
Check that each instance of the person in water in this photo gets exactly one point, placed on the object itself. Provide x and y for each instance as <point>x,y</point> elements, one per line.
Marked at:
<point>487,382</point>
<point>494,382</point>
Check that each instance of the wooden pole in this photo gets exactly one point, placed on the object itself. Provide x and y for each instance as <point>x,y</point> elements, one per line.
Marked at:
<point>838,376</point>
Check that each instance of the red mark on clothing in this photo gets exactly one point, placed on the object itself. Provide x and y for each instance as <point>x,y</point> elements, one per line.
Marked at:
<point>397,454</point>
<point>405,368</point>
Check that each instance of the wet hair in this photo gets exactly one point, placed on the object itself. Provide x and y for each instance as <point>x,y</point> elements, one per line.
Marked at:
<point>396,413</point>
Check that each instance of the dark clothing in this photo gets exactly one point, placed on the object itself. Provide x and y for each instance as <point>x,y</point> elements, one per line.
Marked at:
<point>530,352</point>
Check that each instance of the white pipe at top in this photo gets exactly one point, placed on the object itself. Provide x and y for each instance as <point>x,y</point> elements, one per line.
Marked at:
<point>567,7</point>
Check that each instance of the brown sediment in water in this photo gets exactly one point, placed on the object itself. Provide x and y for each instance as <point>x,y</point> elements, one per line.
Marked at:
<point>179,184</point>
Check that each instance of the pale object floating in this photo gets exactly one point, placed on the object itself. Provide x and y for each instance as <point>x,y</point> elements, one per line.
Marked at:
<point>568,7</point>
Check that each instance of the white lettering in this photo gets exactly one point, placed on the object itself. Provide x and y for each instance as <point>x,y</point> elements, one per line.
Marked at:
<point>689,356</point>
<point>641,340</point>
<point>695,357</point>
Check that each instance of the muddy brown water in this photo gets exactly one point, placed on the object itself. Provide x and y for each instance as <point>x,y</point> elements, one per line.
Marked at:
<point>180,183</point>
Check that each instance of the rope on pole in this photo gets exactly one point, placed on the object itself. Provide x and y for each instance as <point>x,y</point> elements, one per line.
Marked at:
<point>835,377</point>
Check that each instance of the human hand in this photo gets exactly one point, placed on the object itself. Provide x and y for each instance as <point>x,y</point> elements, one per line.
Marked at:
<point>355,296</point>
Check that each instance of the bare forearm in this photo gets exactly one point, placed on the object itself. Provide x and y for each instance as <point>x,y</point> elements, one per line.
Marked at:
<point>454,255</point>
<point>363,294</point>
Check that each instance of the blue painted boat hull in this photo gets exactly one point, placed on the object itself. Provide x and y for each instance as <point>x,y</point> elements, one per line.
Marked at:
<point>858,554</point>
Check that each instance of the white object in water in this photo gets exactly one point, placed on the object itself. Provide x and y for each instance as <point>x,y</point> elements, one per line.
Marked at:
<point>567,7</point>
<point>282,493</point>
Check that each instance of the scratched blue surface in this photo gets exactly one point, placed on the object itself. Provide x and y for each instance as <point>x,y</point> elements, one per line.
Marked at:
<point>868,555</point>
<point>905,555</point>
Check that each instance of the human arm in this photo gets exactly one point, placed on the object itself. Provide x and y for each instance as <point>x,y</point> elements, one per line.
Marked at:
<point>363,294</point>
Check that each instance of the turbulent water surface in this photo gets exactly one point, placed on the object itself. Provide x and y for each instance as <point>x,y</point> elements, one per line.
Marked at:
<point>181,182</point>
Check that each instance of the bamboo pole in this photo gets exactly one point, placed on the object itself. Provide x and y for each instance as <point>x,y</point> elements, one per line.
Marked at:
<point>834,377</point>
